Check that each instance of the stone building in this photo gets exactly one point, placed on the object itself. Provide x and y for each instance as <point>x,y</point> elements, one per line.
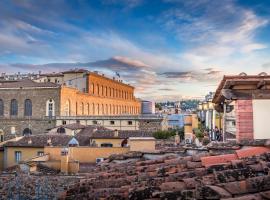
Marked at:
<point>30,107</point>
<point>25,107</point>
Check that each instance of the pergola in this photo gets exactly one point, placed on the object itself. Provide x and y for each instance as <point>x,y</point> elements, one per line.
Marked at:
<point>243,87</point>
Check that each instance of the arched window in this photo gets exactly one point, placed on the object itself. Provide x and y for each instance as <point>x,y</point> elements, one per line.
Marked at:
<point>98,109</point>
<point>88,109</point>
<point>1,135</point>
<point>50,108</point>
<point>93,108</point>
<point>1,107</point>
<point>106,110</point>
<point>27,107</point>
<point>102,109</point>
<point>27,131</point>
<point>14,107</point>
<point>67,108</point>
<point>97,89</point>
<point>82,108</point>
<point>93,88</point>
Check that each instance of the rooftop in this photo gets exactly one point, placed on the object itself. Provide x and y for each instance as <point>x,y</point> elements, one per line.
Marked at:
<point>26,83</point>
<point>242,82</point>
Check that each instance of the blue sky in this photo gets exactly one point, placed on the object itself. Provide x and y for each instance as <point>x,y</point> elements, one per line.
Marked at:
<point>168,49</point>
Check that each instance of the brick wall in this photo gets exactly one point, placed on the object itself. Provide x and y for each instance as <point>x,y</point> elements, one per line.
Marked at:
<point>244,120</point>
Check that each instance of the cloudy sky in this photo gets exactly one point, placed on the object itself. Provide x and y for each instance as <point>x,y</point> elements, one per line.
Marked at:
<point>168,49</point>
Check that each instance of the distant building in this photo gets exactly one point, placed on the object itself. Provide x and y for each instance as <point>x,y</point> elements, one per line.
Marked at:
<point>148,107</point>
<point>30,107</point>
<point>175,121</point>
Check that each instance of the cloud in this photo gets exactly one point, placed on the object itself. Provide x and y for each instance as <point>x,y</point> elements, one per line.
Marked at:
<point>266,65</point>
<point>120,63</point>
<point>210,75</point>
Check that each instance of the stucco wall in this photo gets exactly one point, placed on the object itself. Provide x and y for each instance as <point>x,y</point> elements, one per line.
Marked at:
<point>115,142</point>
<point>85,154</point>
<point>142,145</point>
<point>261,112</point>
<point>26,154</point>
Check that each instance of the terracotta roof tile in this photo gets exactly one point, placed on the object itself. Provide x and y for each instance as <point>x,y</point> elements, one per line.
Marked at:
<point>252,151</point>
<point>213,160</point>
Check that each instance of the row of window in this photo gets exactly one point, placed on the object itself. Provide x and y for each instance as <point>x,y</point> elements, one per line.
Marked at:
<point>14,107</point>
<point>100,109</point>
<point>110,92</point>
<point>27,107</point>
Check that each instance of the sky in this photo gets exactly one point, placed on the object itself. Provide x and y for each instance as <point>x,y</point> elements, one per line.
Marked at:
<point>167,49</point>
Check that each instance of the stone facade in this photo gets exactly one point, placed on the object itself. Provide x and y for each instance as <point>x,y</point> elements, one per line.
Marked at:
<point>38,122</point>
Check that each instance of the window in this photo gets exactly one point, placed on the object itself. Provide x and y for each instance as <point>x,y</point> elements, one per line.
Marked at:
<point>106,145</point>
<point>40,153</point>
<point>50,108</point>
<point>70,82</point>
<point>1,107</point>
<point>67,108</point>
<point>18,156</point>
<point>129,122</point>
<point>112,122</point>
<point>28,107</point>
<point>64,122</point>
<point>14,107</point>
<point>1,135</point>
<point>93,88</point>
<point>27,131</point>
<point>61,130</point>
<point>95,122</point>
<point>233,123</point>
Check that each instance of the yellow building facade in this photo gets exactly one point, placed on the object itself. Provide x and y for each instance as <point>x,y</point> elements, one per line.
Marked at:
<point>103,96</point>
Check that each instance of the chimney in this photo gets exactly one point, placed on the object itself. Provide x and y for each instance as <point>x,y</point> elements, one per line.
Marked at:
<point>49,142</point>
<point>116,134</point>
<point>30,141</point>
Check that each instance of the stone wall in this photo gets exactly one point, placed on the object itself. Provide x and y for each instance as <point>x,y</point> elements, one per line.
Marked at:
<point>38,122</point>
<point>150,125</point>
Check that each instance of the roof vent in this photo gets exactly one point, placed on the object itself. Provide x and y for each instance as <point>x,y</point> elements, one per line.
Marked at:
<point>262,74</point>
<point>242,74</point>
<point>49,142</point>
<point>116,134</point>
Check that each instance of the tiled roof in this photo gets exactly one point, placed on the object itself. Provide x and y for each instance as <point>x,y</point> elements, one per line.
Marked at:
<point>251,151</point>
<point>175,177</point>
<point>26,83</point>
<point>213,160</point>
<point>42,140</point>
<point>73,126</point>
